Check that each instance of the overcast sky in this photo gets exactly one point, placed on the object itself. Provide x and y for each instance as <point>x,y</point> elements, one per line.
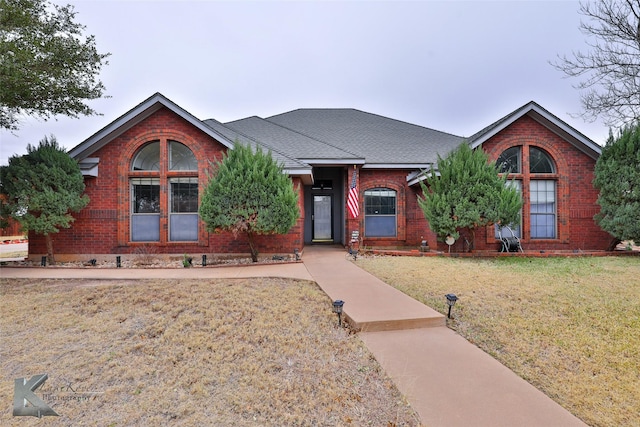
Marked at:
<point>448,65</point>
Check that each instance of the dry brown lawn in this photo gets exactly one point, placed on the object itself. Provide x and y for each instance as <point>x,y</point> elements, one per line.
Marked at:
<point>183,352</point>
<point>569,326</point>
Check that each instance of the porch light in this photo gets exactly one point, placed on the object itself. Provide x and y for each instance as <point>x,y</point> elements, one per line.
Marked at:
<point>337,308</point>
<point>451,301</point>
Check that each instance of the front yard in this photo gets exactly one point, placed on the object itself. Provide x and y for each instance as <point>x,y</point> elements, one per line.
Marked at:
<point>268,351</point>
<point>569,326</point>
<point>255,352</point>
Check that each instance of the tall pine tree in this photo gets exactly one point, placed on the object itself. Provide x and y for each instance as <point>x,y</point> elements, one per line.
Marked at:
<point>468,193</point>
<point>42,188</point>
<point>249,193</point>
<point>617,176</point>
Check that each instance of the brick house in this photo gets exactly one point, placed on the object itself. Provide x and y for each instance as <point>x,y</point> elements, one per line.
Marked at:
<point>145,172</point>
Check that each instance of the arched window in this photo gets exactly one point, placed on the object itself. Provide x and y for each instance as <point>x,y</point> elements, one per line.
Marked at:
<point>540,161</point>
<point>147,158</point>
<point>147,204</point>
<point>509,161</point>
<point>542,193</point>
<point>539,177</point>
<point>181,158</point>
<point>380,212</point>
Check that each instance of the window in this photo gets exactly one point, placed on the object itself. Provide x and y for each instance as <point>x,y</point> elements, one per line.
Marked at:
<point>539,161</point>
<point>145,209</point>
<point>181,158</point>
<point>509,161</point>
<point>543,209</point>
<point>147,204</point>
<point>148,158</point>
<point>517,229</point>
<point>542,196</point>
<point>380,212</point>
<point>183,218</point>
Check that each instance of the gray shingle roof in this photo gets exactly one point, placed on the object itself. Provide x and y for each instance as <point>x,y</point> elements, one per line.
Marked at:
<point>377,139</point>
<point>292,143</point>
<point>303,138</point>
<point>236,135</point>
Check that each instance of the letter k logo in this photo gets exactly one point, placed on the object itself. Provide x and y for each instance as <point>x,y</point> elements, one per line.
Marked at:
<point>23,394</point>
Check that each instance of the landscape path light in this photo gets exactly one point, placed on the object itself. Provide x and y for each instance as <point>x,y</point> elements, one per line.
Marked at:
<point>451,301</point>
<point>337,308</point>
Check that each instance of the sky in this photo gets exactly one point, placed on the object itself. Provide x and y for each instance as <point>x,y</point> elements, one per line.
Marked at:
<point>453,66</point>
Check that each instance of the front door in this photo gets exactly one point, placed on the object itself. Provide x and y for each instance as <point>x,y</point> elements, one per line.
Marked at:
<point>321,218</point>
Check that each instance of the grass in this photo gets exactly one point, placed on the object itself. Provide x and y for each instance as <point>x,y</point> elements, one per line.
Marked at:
<point>569,326</point>
<point>190,352</point>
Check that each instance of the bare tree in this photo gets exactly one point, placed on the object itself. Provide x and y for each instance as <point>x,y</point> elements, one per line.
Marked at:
<point>610,70</point>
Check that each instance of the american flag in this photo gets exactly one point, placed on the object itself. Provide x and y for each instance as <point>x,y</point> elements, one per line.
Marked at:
<point>352,200</point>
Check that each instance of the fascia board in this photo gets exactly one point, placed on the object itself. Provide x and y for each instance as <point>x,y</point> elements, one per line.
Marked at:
<point>298,171</point>
<point>326,162</point>
<point>577,139</point>
<point>135,116</point>
<point>89,166</point>
<point>306,175</point>
<point>421,178</point>
<point>551,122</point>
<point>396,166</point>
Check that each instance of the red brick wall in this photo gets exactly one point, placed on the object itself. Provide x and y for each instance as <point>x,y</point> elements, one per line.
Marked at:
<point>103,226</point>
<point>412,227</point>
<point>575,194</point>
<point>12,229</point>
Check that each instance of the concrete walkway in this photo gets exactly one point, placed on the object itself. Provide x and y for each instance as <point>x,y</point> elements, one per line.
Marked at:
<point>447,380</point>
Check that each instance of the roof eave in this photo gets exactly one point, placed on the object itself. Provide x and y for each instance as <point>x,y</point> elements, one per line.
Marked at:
<point>419,176</point>
<point>545,118</point>
<point>396,165</point>
<point>332,162</point>
<point>134,116</point>
<point>305,174</point>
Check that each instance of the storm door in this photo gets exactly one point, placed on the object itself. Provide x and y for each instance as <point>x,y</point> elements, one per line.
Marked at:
<point>322,224</point>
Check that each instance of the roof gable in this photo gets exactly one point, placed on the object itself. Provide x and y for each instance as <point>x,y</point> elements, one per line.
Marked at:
<point>545,118</point>
<point>134,116</point>
<point>302,138</point>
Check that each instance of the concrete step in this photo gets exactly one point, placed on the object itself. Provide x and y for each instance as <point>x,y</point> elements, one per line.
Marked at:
<point>370,304</point>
